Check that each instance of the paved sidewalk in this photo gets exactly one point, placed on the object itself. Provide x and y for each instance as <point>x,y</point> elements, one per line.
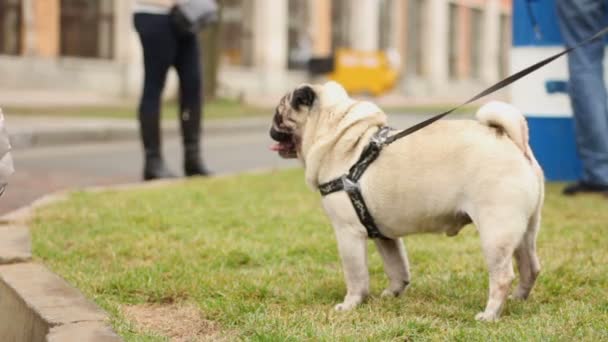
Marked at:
<point>44,131</point>
<point>44,98</point>
<point>32,131</point>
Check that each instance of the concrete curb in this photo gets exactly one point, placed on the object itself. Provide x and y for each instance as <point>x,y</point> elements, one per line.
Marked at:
<point>24,134</point>
<point>22,215</point>
<point>14,244</point>
<point>38,305</point>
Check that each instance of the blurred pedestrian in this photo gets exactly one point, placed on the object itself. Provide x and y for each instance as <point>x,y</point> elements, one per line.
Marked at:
<point>165,45</point>
<point>580,19</point>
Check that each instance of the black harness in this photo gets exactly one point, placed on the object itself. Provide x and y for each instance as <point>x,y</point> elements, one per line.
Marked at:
<point>350,182</point>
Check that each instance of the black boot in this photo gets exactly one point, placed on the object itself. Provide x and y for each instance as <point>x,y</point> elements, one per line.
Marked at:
<point>155,168</point>
<point>154,165</point>
<point>193,165</point>
<point>190,121</point>
<point>585,188</point>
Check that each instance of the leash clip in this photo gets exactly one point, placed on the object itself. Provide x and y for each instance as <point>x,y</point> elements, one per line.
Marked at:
<point>348,184</point>
<point>379,138</point>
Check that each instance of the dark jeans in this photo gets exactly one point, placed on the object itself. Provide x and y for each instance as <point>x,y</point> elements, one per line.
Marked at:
<point>163,47</point>
<point>580,19</point>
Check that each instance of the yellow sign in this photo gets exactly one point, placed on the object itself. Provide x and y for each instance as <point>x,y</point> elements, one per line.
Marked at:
<point>364,72</point>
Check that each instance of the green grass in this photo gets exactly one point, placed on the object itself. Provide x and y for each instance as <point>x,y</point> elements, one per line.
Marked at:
<point>216,109</point>
<point>430,109</point>
<point>257,255</point>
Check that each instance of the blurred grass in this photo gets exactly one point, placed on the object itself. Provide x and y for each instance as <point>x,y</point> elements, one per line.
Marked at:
<point>215,109</point>
<point>257,255</point>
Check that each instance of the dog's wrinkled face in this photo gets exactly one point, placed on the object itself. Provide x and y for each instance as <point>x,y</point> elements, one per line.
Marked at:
<point>288,119</point>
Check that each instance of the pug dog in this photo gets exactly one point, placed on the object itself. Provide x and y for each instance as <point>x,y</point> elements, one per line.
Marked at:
<point>436,180</point>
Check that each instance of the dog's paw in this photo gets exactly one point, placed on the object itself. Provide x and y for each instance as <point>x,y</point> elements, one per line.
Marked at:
<point>396,289</point>
<point>390,293</point>
<point>486,317</point>
<point>345,306</point>
<point>350,302</point>
<point>519,294</point>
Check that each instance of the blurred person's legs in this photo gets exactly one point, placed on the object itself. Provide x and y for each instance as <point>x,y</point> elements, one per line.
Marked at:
<point>579,19</point>
<point>187,64</point>
<point>159,49</point>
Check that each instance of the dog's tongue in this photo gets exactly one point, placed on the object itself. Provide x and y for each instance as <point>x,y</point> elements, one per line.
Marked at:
<point>275,147</point>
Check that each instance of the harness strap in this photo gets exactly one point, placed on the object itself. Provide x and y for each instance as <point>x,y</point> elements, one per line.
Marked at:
<point>356,198</point>
<point>369,154</point>
<point>350,183</point>
<point>332,186</point>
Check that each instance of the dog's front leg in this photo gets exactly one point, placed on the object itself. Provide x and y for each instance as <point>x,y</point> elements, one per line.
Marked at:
<point>353,251</point>
<point>396,265</point>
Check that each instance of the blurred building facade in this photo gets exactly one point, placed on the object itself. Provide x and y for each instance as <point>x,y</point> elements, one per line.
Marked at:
<point>69,45</point>
<point>441,45</point>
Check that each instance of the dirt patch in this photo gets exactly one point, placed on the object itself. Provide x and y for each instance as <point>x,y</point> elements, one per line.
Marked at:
<point>178,322</point>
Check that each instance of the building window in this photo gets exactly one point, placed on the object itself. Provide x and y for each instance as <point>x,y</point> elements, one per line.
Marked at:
<point>87,28</point>
<point>386,24</point>
<point>453,41</point>
<point>415,32</point>
<point>10,27</point>
<point>504,45</point>
<point>464,42</point>
<point>298,38</point>
<point>340,19</point>
<point>237,33</point>
<point>476,43</point>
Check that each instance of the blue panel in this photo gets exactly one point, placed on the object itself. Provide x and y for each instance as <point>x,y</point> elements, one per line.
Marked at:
<point>552,140</point>
<point>545,13</point>
<point>556,86</point>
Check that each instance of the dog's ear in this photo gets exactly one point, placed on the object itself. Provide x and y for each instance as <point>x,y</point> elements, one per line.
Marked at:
<point>303,96</point>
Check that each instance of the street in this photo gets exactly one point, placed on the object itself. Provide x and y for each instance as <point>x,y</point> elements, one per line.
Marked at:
<point>44,170</point>
<point>40,171</point>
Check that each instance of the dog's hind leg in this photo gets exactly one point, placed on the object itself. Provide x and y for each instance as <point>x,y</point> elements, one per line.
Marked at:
<point>396,265</point>
<point>527,260</point>
<point>352,245</point>
<point>500,234</point>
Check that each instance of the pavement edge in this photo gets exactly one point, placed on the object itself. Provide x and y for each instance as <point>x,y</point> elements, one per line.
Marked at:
<point>35,303</point>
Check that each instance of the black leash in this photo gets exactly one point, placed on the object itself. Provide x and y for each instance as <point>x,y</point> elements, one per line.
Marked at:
<point>350,182</point>
<point>501,84</point>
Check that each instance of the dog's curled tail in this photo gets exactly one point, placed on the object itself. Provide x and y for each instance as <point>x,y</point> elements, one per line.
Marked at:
<point>509,119</point>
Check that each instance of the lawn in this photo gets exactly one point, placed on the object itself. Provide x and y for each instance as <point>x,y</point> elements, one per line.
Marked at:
<point>215,109</point>
<point>253,257</point>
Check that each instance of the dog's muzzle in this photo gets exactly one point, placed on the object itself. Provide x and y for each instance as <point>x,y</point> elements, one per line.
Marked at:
<point>279,136</point>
